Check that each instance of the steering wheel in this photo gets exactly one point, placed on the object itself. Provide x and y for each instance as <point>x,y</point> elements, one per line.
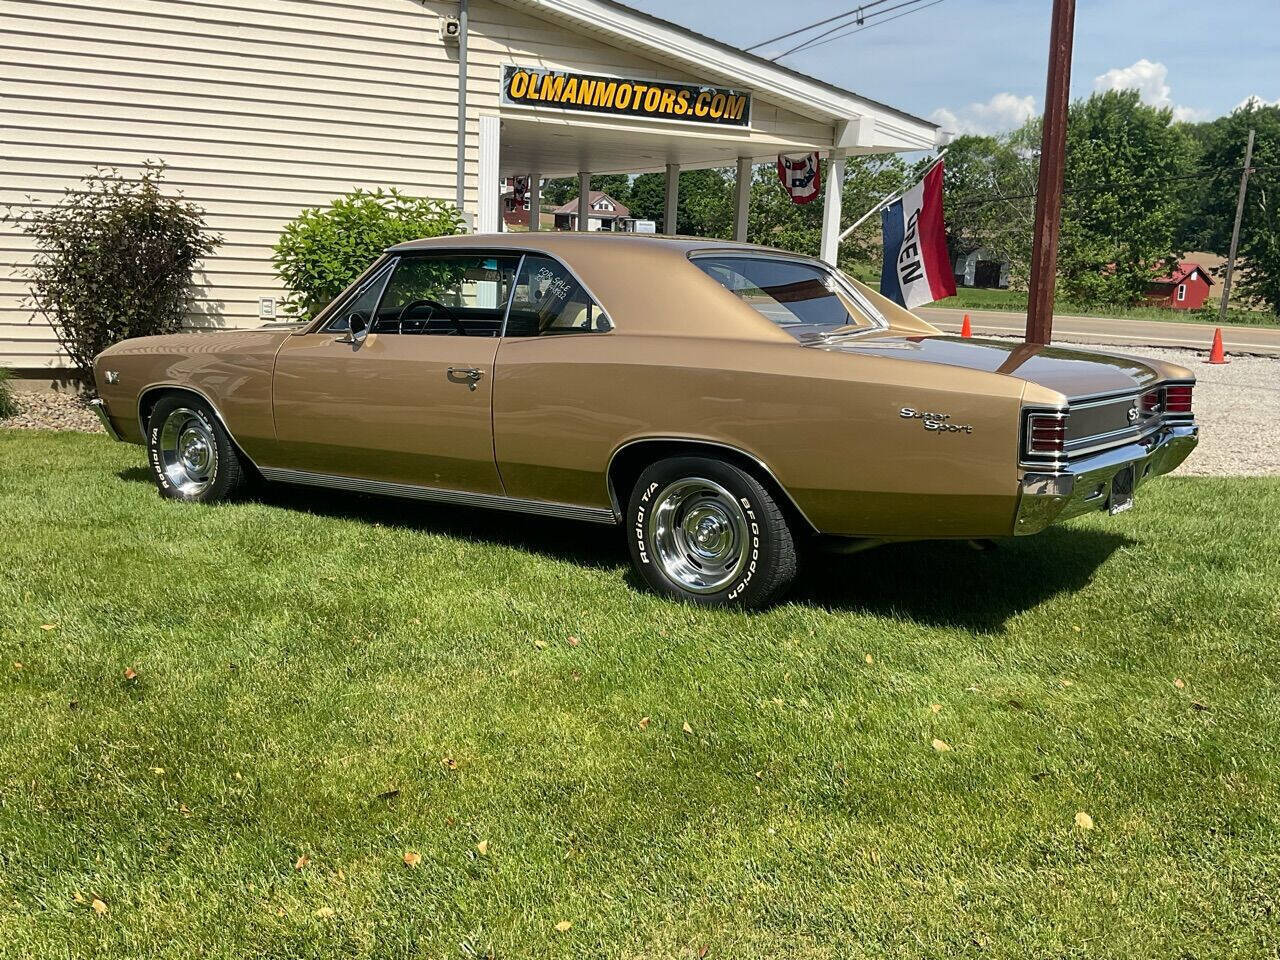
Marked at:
<point>434,305</point>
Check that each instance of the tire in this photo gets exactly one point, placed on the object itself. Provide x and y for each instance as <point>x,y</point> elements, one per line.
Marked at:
<point>191,456</point>
<point>704,531</point>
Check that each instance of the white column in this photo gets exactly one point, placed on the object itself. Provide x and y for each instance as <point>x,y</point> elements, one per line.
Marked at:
<point>832,207</point>
<point>744,199</point>
<point>671,214</point>
<point>535,201</point>
<point>489,187</point>
<point>584,201</point>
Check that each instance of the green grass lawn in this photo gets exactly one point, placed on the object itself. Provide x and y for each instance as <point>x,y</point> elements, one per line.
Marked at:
<point>1016,301</point>
<point>229,725</point>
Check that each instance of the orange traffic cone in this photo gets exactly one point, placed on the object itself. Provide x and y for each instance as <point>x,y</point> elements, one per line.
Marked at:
<point>966,329</point>
<point>1216,353</point>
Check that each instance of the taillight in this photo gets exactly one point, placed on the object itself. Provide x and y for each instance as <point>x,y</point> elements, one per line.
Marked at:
<point>1046,433</point>
<point>1150,403</point>
<point>1177,399</point>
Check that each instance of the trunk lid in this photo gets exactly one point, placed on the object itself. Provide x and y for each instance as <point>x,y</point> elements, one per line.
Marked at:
<point>1075,373</point>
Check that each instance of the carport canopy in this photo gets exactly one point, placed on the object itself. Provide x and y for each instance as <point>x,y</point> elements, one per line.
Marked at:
<point>789,113</point>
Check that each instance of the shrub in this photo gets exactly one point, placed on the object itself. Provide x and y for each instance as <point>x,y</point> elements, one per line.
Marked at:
<point>323,251</point>
<point>8,405</point>
<point>116,261</point>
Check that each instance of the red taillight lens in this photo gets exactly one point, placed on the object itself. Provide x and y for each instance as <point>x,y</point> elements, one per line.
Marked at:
<point>1177,399</point>
<point>1046,433</point>
<point>1150,403</point>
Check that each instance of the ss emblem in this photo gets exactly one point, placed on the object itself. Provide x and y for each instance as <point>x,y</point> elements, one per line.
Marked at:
<point>1133,414</point>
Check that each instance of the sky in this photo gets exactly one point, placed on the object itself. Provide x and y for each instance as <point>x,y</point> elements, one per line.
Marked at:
<point>978,66</point>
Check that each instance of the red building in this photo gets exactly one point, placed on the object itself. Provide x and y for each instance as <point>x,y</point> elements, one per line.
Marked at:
<point>1186,288</point>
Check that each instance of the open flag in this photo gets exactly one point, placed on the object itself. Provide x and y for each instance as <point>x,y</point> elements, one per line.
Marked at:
<point>917,269</point>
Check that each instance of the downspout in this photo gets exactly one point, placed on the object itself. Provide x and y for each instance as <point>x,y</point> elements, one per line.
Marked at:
<point>462,104</point>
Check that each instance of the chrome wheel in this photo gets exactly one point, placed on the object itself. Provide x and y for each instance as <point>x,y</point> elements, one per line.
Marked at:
<point>188,451</point>
<point>699,534</point>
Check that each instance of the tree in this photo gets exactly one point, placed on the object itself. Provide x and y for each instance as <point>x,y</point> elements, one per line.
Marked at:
<point>116,259</point>
<point>558,191</point>
<point>1258,267</point>
<point>1122,209</point>
<point>649,198</point>
<point>989,188</point>
<point>777,221</point>
<point>706,203</point>
<point>321,252</point>
<point>705,207</point>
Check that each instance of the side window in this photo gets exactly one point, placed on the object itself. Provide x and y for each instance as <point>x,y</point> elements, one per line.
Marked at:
<point>363,300</point>
<point>548,301</point>
<point>447,295</point>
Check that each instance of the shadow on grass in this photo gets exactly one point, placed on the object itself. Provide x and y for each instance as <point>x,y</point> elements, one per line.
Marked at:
<point>948,583</point>
<point>935,583</point>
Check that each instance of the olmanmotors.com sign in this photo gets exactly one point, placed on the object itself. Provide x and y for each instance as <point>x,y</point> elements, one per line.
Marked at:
<point>687,103</point>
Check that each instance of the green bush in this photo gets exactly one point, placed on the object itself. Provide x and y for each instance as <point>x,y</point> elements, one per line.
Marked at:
<point>8,405</point>
<point>323,251</point>
<point>116,260</point>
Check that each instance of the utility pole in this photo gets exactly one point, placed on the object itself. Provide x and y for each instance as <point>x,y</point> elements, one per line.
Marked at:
<point>1235,233</point>
<point>1053,154</point>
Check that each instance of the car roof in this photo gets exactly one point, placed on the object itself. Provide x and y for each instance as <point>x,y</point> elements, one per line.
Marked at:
<point>575,241</point>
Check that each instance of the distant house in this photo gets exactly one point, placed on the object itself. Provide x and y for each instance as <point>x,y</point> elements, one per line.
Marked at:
<point>1185,288</point>
<point>516,208</point>
<point>606,214</point>
<point>981,268</point>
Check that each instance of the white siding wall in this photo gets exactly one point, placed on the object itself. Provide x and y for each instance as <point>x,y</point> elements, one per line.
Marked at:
<point>259,107</point>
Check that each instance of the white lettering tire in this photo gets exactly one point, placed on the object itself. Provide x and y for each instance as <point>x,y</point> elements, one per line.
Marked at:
<point>704,531</point>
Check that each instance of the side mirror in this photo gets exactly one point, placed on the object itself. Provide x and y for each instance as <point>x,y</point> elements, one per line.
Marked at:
<point>358,325</point>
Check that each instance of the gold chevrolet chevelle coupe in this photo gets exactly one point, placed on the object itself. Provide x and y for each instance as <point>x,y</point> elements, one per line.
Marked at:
<point>723,403</point>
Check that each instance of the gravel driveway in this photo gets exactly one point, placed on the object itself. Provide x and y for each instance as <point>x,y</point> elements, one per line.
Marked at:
<point>1238,406</point>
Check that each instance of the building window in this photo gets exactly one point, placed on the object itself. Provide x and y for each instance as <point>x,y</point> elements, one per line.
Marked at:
<point>1182,292</point>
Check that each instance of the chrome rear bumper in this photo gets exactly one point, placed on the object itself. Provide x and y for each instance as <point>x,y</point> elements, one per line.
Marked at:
<point>100,408</point>
<point>1085,485</point>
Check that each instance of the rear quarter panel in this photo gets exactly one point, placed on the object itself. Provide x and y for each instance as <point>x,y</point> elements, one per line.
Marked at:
<point>827,425</point>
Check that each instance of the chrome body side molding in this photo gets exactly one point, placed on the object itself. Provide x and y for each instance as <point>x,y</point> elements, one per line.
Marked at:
<point>566,511</point>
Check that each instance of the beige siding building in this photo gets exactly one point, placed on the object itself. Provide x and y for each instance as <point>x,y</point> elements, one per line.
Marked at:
<point>262,108</point>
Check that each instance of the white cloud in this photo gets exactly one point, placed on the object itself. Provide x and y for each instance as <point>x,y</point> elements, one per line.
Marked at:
<point>1151,80</point>
<point>1255,101</point>
<point>1004,111</point>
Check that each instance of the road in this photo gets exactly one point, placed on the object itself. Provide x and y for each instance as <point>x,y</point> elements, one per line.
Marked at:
<point>1259,341</point>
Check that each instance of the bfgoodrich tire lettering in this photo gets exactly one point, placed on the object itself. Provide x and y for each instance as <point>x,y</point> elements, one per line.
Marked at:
<point>190,454</point>
<point>705,531</point>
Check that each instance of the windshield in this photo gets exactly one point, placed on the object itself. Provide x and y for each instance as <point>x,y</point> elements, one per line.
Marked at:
<point>803,299</point>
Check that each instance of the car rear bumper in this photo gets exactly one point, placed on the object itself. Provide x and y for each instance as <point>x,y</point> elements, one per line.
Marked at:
<point>1085,485</point>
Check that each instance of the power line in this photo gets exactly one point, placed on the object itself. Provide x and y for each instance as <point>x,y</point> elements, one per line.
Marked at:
<point>860,24</point>
<point>819,23</point>
<point>818,41</point>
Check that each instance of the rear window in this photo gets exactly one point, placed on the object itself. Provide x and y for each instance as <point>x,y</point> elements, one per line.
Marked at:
<point>802,298</point>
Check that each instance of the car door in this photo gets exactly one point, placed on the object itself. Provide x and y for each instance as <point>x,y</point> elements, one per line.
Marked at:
<point>411,403</point>
<point>562,382</point>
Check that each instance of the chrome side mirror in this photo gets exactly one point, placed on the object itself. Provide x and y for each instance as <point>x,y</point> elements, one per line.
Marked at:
<point>358,325</point>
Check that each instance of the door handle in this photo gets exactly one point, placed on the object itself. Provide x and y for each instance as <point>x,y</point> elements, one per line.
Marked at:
<point>468,375</point>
